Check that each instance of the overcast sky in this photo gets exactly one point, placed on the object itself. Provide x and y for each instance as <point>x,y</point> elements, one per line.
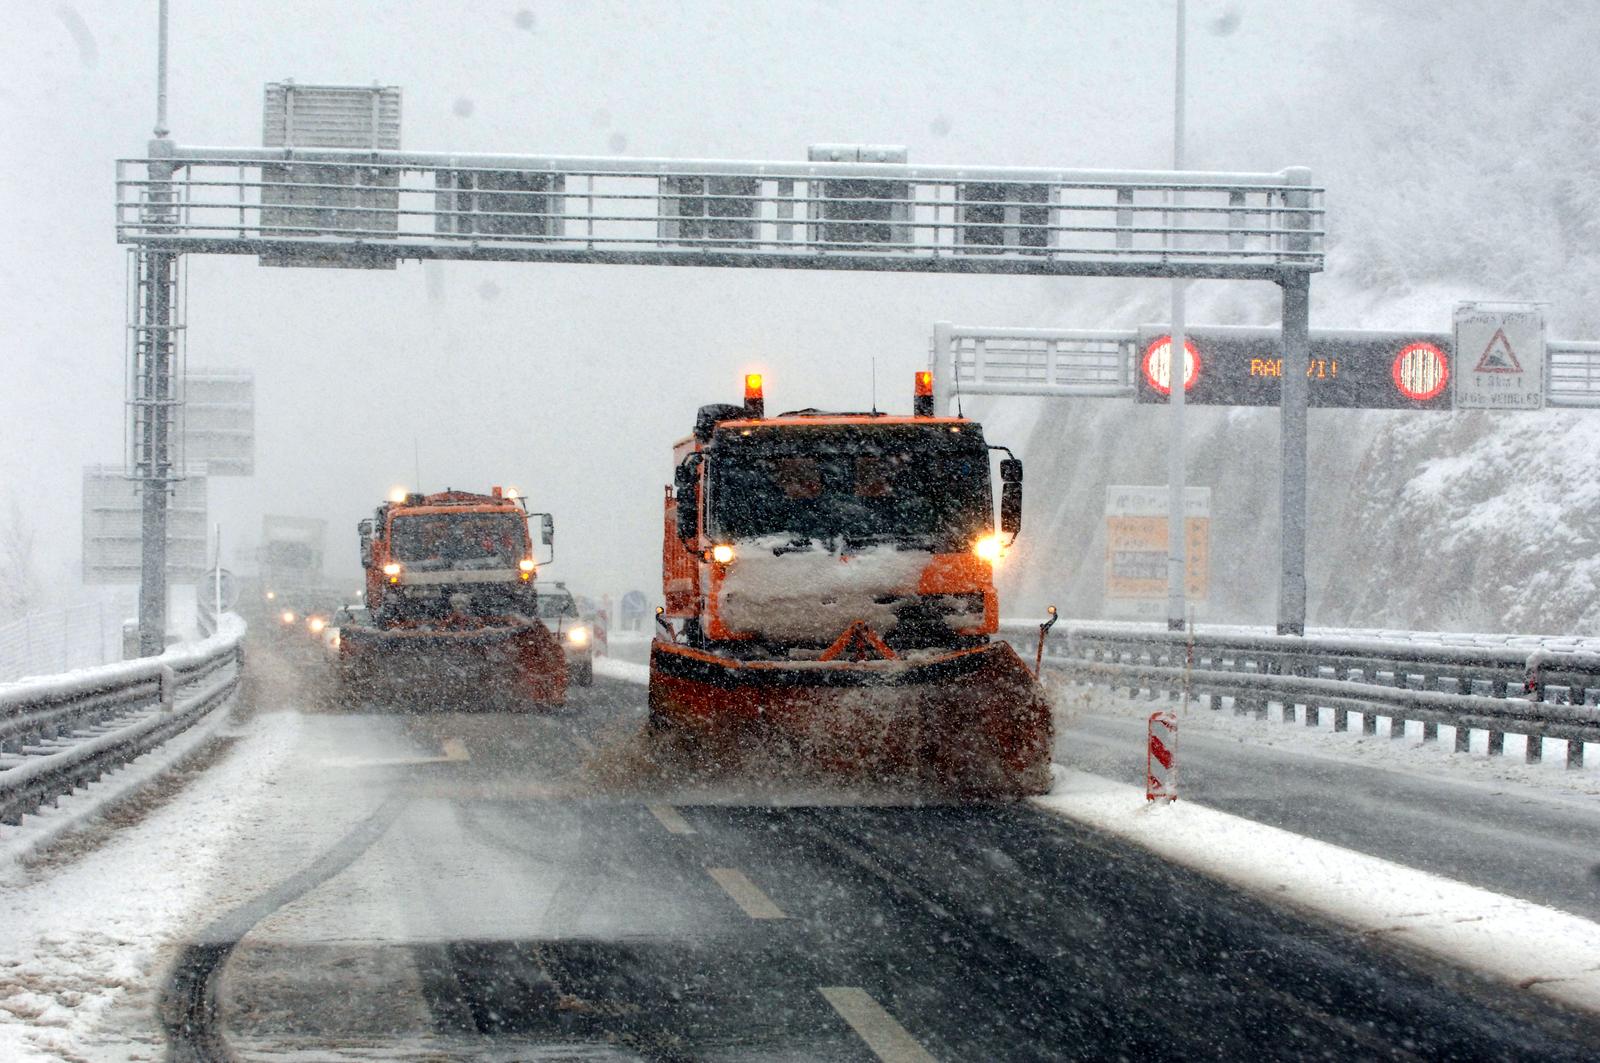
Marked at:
<point>570,382</point>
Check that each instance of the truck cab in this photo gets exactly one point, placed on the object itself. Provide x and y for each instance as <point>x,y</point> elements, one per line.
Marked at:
<point>452,554</point>
<point>784,531</point>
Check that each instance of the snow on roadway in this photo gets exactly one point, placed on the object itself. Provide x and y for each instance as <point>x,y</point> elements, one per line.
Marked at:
<point>1547,952</point>
<point>81,961</point>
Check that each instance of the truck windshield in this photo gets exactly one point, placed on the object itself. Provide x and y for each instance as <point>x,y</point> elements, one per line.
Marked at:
<point>471,540</point>
<point>913,485</point>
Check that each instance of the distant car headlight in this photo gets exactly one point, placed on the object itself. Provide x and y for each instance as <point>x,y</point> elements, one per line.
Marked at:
<point>316,624</point>
<point>288,616</point>
<point>578,636</point>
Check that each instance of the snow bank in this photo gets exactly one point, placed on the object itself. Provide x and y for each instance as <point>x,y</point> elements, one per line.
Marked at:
<point>1545,951</point>
<point>184,654</point>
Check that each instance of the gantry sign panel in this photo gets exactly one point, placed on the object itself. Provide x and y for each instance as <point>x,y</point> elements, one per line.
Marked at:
<point>1347,369</point>
<point>842,209</point>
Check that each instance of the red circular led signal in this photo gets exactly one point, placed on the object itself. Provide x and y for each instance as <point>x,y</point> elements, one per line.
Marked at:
<point>1420,371</point>
<point>1157,364</point>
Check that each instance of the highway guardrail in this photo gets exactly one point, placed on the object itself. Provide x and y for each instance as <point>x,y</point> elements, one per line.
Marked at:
<point>58,733</point>
<point>1500,685</point>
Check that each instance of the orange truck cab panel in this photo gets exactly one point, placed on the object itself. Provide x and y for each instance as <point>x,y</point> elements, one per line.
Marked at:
<point>784,531</point>
<point>429,557</point>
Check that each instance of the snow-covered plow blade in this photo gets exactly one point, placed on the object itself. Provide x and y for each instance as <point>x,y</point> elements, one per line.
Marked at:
<point>971,722</point>
<point>521,663</point>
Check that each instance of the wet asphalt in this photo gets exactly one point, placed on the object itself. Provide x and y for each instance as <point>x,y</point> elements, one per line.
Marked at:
<point>571,890</point>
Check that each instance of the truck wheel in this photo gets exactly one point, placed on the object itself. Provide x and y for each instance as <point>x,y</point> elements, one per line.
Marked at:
<point>583,674</point>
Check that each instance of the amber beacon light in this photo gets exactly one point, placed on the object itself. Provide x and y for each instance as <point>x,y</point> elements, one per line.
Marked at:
<point>922,396</point>
<point>754,403</point>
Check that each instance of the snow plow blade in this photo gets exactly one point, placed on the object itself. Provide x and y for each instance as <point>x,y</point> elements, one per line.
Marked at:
<point>522,662</point>
<point>971,722</point>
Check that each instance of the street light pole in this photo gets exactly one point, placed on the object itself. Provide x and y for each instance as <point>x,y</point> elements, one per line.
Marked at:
<point>1177,373</point>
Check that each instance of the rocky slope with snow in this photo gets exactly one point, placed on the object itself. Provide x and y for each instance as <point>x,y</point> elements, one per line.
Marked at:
<point>1460,156</point>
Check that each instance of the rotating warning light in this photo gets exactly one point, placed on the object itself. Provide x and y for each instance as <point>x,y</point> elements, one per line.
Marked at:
<point>754,404</point>
<point>397,494</point>
<point>922,395</point>
<point>1420,371</point>
<point>1157,364</point>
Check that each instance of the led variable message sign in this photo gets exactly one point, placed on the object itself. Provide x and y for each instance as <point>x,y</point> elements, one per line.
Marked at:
<point>1352,370</point>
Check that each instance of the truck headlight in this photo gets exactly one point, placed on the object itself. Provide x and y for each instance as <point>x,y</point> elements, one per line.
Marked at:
<point>578,636</point>
<point>987,547</point>
<point>722,553</point>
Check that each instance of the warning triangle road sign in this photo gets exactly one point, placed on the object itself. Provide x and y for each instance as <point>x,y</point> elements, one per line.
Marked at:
<point>1498,357</point>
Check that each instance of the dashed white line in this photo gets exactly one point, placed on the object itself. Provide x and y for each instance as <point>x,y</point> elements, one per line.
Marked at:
<point>888,1040</point>
<point>670,819</point>
<point>745,894</point>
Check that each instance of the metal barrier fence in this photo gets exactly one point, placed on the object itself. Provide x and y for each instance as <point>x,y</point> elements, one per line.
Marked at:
<point>301,206</point>
<point>1501,689</point>
<point>60,733</point>
<point>61,640</point>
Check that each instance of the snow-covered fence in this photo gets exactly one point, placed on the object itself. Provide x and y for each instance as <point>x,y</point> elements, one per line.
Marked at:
<point>60,640</point>
<point>1497,684</point>
<point>58,733</point>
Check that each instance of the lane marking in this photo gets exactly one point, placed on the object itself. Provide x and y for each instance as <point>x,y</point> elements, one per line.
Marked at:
<point>888,1040</point>
<point>670,819</point>
<point>745,894</point>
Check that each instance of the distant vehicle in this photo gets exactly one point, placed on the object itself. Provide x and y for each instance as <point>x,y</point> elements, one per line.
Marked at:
<point>451,600</point>
<point>832,580</point>
<point>289,560</point>
<point>574,628</point>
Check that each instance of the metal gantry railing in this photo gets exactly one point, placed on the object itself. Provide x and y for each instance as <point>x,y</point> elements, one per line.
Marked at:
<point>60,733</point>
<point>1509,685</point>
<point>1100,363</point>
<point>299,206</point>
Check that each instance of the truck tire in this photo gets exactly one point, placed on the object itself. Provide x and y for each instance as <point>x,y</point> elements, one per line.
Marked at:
<point>583,674</point>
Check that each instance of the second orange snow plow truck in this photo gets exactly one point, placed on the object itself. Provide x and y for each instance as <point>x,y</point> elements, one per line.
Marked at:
<point>829,578</point>
<point>451,599</point>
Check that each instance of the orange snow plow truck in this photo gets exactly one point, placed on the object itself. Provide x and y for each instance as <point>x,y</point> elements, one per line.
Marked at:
<point>451,602</point>
<point>829,578</point>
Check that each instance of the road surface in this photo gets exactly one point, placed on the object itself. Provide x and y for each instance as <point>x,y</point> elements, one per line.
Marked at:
<point>465,884</point>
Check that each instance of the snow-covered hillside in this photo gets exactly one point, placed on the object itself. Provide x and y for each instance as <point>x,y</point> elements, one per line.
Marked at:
<point>1461,158</point>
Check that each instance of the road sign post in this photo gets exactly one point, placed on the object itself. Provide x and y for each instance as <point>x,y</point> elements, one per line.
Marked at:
<point>1293,434</point>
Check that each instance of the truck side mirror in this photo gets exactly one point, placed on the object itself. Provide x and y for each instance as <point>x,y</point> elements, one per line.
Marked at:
<point>365,528</point>
<point>1011,507</point>
<point>683,484</point>
<point>547,529</point>
<point>1011,470</point>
